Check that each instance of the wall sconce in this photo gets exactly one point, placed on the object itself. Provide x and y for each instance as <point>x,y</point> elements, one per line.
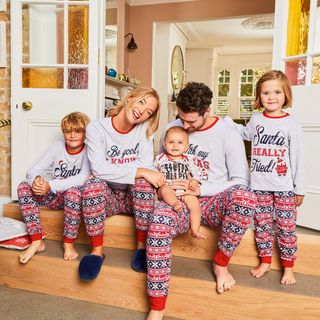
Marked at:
<point>131,45</point>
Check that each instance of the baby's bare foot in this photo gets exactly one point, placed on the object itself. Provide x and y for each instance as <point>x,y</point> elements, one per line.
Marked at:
<point>260,270</point>
<point>224,279</point>
<point>177,206</point>
<point>35,247</point>
<point>197,234</point>
<point>70,252</point>
<point>288,276</point>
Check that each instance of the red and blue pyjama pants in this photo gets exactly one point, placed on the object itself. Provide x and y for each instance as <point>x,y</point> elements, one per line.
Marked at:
<point>280,204</point>
<point>101,201</point>
<point>67,200</point>
<point>232,210</point>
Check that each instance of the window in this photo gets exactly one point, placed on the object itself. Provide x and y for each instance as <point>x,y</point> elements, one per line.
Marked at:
<point>223,93</point>
<point>248,80</point>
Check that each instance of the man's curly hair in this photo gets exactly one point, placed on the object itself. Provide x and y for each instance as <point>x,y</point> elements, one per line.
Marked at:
<point>194,97</point>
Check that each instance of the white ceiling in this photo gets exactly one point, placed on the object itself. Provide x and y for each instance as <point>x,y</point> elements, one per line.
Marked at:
<point>227,35</point>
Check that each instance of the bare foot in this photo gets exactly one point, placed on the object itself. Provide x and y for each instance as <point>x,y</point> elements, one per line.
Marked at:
<point>288,276</point>
<point>224,279</point>
<point>177,206</point>
<point>70,252</point>
<point>260,270</point>
<point>197,234</point>
<point>155,315</point>
<point>35,247</point>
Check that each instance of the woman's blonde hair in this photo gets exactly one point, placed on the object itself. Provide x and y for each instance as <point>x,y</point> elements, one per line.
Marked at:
<point>137,95</point>
<point>75,121</point>
<point>274,75</point>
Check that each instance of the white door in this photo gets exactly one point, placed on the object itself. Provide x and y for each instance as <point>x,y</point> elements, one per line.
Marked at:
<point>55,70</point>
<point>297,52</point>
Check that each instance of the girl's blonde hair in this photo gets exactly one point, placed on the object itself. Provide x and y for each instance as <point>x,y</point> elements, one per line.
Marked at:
<point>137,95</point>
<point>274,75</point>
<point>75,121</point>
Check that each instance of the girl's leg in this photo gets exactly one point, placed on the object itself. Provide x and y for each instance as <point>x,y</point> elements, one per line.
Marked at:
<point>286,216</point>
<point>233,209</point>
<point>72,219</point>
<point>165,224</point>
<point>29,205</point>
<point>263,224</point>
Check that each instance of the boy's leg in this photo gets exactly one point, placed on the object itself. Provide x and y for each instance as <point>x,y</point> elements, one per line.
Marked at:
<point>286,216</point>
<point>165,224</point>
<point>29,206</point>
<point>233,209</point>
<point>192,202</point>
<point>72,219</point>
<point>263,225</point>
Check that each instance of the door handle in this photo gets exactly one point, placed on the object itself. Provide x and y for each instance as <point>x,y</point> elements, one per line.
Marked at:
<point>27,105</point>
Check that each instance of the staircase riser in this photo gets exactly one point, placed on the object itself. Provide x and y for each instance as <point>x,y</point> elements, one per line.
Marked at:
<point>120,233</point>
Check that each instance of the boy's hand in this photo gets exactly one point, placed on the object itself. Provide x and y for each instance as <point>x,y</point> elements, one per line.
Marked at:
<point>193,184</point>
<point>41,189</point>
<point>298,199</point>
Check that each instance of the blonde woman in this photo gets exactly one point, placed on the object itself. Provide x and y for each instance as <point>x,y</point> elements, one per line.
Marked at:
<point>120,151</point>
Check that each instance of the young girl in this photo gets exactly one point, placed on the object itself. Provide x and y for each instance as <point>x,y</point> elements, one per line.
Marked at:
<point>277,171</point>
<point>120,150</point>
<point>68,164</point>
<point>175,165</point>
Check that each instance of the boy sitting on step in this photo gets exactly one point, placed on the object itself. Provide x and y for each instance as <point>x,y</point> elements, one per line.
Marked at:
<point>68,164</point>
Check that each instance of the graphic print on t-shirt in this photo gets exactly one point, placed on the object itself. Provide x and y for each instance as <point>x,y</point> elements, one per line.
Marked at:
<point>63,171</point>
<point>268,151</point>
<point>122,156</point>
<point>200,159</point>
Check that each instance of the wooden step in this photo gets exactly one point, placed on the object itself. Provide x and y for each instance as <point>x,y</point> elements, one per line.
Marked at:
<point>190,297</point>
<point>120,233</point>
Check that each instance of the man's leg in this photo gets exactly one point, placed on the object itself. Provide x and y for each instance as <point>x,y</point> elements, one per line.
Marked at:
<point>233,209</point>
<point>165,224</point>
<point>286,216</point>
<point>263,224</point>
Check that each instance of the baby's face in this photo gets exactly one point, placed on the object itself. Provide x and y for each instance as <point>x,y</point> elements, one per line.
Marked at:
<point>176,143</point>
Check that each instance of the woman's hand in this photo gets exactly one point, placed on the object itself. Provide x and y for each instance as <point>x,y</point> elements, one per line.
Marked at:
<point>298,199</point>
<point>156,178</point>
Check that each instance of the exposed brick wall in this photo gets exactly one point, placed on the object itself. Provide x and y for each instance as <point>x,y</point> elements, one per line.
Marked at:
<point>5,134</point>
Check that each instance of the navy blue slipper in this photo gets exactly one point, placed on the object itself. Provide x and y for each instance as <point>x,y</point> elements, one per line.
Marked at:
<point>90,267</point>
<point>139,261</point>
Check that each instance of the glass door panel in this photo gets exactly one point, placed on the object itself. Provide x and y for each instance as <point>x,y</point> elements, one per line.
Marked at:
<point>296,71</point>
<point>298,27</point>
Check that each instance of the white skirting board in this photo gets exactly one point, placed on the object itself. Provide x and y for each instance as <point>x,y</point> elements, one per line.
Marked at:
<point>3,200</point>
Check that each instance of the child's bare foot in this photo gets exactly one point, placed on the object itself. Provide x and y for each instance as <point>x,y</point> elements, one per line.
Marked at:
<point>288,276</point>
<point>197,234</point>
<point>177,206</point>
<point>70,252</point>
<point>224,279</point>
<point>35,247</point>
<point>155,315</point>
<point>260,270</point>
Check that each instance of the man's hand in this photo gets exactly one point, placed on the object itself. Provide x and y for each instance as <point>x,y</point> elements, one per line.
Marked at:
<point>193,184</point>
<point>184,185</point>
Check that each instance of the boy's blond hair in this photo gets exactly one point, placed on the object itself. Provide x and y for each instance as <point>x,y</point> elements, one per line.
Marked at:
<point>274,75</point>
<point>75,121</point>
<point>137,95</point>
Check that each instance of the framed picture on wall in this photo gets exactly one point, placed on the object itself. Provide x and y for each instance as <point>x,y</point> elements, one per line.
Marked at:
<point>3,5</point>
<point>3,44</point>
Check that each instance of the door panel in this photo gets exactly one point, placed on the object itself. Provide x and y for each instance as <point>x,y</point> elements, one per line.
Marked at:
<point>55,66</point>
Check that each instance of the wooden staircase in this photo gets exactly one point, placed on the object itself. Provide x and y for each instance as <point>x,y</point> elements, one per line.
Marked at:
<point>192,288</point>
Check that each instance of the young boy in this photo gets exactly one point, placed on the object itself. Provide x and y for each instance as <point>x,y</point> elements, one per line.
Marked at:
<point>175,165</point>
<point>68,164</point>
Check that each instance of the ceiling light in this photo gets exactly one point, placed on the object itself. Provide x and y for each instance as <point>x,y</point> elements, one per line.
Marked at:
<point>259,22</point>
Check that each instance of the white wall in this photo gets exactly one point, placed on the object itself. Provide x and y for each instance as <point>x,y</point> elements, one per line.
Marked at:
<point>166,36</point>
